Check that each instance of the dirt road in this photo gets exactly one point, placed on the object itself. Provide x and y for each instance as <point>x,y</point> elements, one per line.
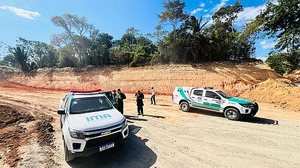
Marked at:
<point>164,137</point>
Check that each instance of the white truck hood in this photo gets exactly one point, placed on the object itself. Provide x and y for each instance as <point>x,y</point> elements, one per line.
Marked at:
<point>95,120</point>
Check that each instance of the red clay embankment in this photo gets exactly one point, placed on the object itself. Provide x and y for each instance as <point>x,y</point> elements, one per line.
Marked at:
<point>231,77</point>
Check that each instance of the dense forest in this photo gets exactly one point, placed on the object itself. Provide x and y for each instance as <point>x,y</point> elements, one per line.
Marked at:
<point>190,40</point>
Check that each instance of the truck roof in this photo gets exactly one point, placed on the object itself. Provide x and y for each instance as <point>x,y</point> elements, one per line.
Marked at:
<point>76,96</point>
<point>85,93</point>
<point>203,88</point>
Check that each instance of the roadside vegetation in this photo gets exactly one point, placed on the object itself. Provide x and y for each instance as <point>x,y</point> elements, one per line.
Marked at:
<point>189,40</point>
<point>282,22</point>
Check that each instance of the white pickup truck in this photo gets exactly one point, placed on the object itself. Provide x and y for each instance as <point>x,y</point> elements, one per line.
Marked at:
<point>90,123</point>
<point>210,99</point>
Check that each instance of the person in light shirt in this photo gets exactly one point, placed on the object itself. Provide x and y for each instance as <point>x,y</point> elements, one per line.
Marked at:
<point>153,94</point>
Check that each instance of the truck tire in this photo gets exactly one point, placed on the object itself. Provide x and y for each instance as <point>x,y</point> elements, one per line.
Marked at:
<point>232,114</point>
<point>253,111</point>
<point>185,106</point>
<point>256,108</point>
<point>68,155</point>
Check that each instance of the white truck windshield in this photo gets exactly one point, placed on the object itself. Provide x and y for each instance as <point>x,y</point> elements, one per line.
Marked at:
<point>90,104</point>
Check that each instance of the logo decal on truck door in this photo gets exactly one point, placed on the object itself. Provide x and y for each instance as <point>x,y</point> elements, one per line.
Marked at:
<point>98,117</point>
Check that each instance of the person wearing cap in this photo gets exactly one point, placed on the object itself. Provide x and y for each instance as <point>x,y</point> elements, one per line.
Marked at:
<point>139,102</point>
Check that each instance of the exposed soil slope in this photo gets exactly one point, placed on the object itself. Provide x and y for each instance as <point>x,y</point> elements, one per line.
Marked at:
<point>280,92</point>
<point>294,76</point>
<point>164,137</point>
<point>230,77</point>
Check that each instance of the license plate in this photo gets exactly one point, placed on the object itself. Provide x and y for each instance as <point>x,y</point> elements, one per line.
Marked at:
<point>107,146</point>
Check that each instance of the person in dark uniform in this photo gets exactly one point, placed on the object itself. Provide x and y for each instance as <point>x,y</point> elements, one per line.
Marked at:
<point>119,99</point>
<point>115,100</point>
<point>139,102</point>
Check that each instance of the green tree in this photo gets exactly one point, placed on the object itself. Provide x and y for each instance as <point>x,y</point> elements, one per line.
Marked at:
<point>44,55</point>
<point>143,51</point>
<point>77,33</point>
<point>278,62</point>
<point>21,56</point>
<point>192,29</point>
<point>227,14</point>
<point>99,50</point>
<point>173,13</point>
<point>67,57</point>
<point>293,60</point>
<point>159,33</point>
<point>173,50</point>
<point>9,60</point>
<point>132,49</point>
<point>227,42</point>
<point>282,20</point>
<point>284,62</point>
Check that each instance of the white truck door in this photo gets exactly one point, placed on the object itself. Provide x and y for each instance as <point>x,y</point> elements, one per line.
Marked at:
<point>211,100</point>
<point>197,97</point>
<point>65,107</point>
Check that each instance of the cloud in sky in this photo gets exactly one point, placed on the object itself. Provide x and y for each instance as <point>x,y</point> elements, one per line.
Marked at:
<point>213,10</point>
<point>201,5</point>
<point>219,6</point>
<point>267,45</point>
<point>196,10</point>
<point>249,13</point>
<point>21,12</point>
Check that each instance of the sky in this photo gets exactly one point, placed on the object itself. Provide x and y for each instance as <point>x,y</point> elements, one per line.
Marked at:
<point>30,19</point>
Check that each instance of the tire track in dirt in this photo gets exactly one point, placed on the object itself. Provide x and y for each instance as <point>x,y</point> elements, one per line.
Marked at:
<point>12,134</point>
<point>40,131</point>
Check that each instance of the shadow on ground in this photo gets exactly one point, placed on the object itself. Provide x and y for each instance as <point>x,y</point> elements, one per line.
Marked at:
<point>133,154</point>
<point>259,120</point>
<point>134,118</point>
<point>205,112</point>
<point>165,105</point>
<point>154,116</point>
<point>255,120</point>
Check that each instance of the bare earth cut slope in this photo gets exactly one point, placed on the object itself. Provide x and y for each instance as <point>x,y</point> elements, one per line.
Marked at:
<point>278,92</point>
<point>230,77</point>
<point>30,133</point>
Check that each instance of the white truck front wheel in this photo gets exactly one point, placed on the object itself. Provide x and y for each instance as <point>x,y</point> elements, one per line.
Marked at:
<point>184,106</point>
<point>232,114</point>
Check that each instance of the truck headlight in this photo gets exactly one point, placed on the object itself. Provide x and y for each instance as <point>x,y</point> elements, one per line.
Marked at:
<point>247,105</point>
<point>124,124</point>
<point>76,134</point>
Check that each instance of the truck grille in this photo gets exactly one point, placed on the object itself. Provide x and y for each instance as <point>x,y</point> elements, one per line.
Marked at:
<point>94,143</point>
<point>99,132</point>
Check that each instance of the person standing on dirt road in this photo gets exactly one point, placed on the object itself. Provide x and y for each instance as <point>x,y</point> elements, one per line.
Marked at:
<point>153,93</point>
<point>139,102</point>
<point>119,99</point>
